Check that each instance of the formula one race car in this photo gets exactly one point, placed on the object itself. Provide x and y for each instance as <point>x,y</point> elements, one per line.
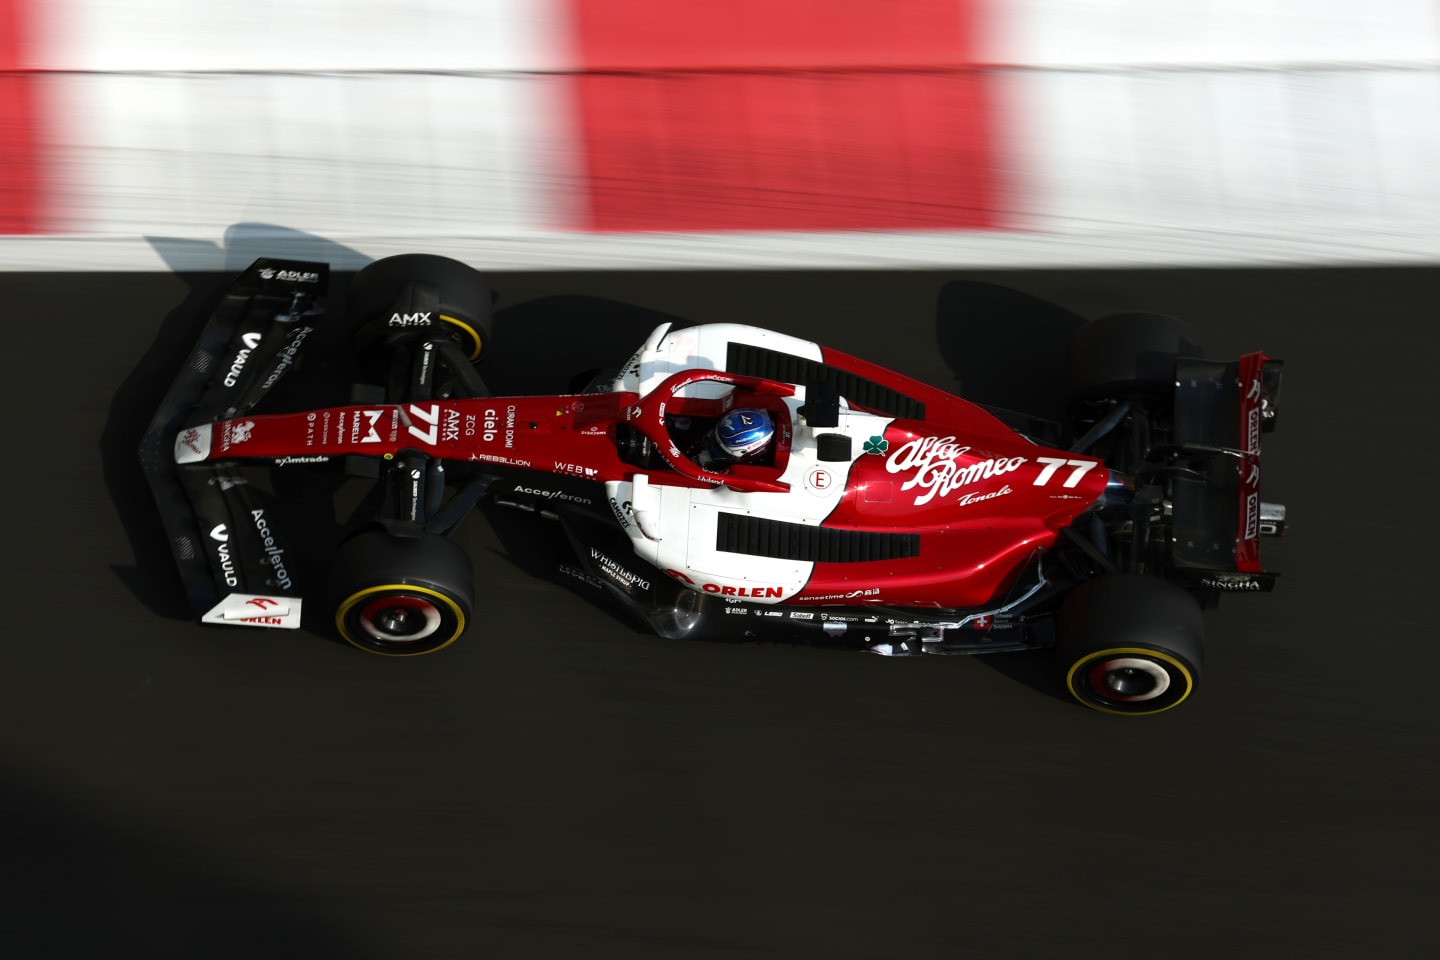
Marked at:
<point>882,515</point>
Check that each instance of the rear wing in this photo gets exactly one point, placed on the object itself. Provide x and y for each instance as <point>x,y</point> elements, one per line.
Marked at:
<point>234,564</point>
<point>1221,412</point>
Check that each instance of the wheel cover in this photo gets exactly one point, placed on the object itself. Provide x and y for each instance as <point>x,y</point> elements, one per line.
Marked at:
<point>1129,679</point>
<point>1133,681</point>
<point>399,619</point>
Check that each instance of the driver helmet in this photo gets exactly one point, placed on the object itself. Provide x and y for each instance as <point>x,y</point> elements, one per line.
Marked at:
<point>741,433</point>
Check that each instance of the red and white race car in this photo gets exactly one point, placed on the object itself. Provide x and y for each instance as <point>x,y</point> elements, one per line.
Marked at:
<point>884,515</point>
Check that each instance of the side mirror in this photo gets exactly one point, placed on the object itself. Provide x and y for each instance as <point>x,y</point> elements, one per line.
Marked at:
<point>822,405</point>
<point>834,448</point>
<point>642,503</point>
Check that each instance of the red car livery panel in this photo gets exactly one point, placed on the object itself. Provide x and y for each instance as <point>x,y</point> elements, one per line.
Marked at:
<point>981,510</point>
<point>556,434</point>
<point>1252,403</point>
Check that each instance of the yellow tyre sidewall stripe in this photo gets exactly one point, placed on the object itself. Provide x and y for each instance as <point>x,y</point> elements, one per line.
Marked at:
<point>1119,651</point>
<point>474,334</point>
<point>351,601</point>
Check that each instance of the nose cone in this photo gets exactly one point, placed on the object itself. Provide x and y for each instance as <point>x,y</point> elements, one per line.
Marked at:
<point>192,445</point>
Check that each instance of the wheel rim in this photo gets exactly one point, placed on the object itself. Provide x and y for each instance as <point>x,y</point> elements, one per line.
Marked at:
<point>1130,680</point>
<point>400,619</point>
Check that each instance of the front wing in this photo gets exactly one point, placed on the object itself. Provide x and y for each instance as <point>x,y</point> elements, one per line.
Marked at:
<point>234,564</point>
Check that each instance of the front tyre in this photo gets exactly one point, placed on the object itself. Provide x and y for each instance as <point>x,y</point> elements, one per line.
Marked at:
<point>1130,644</point>
<point>401,596</point>
<point>389,294</point>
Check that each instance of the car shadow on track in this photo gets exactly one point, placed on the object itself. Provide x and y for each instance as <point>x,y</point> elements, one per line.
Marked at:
<point>1034,669</point>
<point>152,578</point>
<point>1009,350</point>
<point>554,344</point>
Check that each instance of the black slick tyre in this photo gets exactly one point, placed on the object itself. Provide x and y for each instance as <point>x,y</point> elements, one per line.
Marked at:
<point>388,294</point>
<point>1130,644</point>
<point>401,596</point>
<point>1127,356</point>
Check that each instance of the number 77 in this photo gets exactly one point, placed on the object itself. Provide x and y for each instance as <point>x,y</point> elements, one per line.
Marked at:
<point>1078,469</point>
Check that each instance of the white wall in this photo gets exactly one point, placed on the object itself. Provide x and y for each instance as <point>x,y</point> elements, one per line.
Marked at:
<point>1132,131</point>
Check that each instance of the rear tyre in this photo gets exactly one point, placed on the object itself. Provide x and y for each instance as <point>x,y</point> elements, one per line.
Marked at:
<point>455,293</point>
<point>1130,644</point>
<point>1127,356</point>
<point>401,596</point>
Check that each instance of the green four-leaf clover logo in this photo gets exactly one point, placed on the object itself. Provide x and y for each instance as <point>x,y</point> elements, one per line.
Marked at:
<point>877,445</point>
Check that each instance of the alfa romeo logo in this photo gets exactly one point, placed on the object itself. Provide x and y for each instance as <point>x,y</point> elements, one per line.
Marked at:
<point>877,445</point>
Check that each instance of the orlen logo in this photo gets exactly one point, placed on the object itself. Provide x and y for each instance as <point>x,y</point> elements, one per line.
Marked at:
<point>221,536</point>
<point>729,591</point>
<point>251,341</point>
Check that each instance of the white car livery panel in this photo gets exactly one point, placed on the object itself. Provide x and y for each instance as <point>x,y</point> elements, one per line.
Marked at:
<point>675,527</point>
<point>703,347</point>
<point>255,610</point>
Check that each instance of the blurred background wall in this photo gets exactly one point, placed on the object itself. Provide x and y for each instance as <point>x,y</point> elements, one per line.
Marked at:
<point>547,134</point>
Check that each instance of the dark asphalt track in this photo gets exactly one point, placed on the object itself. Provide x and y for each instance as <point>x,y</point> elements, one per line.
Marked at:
<point>557,785</point>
